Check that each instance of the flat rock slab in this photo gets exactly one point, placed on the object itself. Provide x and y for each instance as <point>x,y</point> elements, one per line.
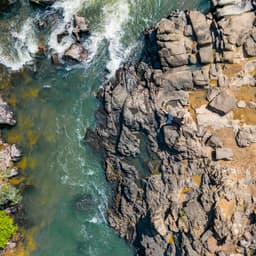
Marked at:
<point>207,118</point>
<point>224,154</point>
<point>223,103</point>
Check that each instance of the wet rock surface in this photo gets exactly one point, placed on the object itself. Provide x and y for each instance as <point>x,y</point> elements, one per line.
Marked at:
<point>181,188</point>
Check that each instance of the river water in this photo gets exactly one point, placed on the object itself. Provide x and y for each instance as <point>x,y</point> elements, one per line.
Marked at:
<point>66,196</point>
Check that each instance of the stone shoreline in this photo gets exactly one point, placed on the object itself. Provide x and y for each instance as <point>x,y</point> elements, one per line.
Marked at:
<point>10,154</point>
<point>188,188</point>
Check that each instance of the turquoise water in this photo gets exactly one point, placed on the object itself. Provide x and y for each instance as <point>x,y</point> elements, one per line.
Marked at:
<point>54,106</point>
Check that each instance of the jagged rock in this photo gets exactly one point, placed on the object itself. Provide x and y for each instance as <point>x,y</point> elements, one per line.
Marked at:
<point>55,59</point>
<point>81,24</point>
<point>212,93</point>
<point>129,144</point>
<point>80,27</point>
<point>76,52</point>
<point>206,55</point>
<point>201,78</point>
<point>196,214</point>
<point>6,115</point>
<point>171,194</point>
<point>224,154</point>
<point>214,141</point>
<point>175,80</point>
<point>234,9</point>
<point>42,2</point>
<point>200,27</point>
<point>174,54</point>
<point>246,136</point>
<point>223,103</point>
<point>250,47</point>
<point>15,153</point>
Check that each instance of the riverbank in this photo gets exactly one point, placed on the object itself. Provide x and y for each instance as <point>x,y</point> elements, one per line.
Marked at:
<point>10,189</point>
<point>187,188</point>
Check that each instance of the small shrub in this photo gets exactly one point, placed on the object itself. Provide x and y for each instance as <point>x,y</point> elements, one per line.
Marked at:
<point>7,228</point>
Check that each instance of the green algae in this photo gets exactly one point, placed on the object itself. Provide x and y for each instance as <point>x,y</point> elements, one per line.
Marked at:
<point>7,228</point>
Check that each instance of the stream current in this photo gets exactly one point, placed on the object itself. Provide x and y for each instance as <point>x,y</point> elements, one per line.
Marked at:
<point>66,196</point>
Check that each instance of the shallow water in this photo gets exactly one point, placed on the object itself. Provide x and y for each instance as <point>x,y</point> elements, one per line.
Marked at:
<point>54,106</point>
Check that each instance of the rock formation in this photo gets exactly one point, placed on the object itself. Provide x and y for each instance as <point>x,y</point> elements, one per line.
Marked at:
<point>176,193</point>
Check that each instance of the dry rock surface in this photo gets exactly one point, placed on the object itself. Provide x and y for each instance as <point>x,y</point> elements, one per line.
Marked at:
<point>187,188</point>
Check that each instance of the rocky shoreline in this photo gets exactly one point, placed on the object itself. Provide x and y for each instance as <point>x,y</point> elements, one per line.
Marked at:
<point>10,196</point>
<point>187,188</point>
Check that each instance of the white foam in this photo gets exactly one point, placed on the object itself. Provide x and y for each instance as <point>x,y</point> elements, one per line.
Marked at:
<point>70,7</point>
<point>24,45</point>
<point>115,16</point>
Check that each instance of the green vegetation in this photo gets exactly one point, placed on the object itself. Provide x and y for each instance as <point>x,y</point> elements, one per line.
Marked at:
<point>7,228</point>
<point>9,193</point>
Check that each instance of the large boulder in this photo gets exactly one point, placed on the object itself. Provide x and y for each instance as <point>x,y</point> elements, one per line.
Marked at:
<point>175,79</point>
<point>174,54</point>
<point>200,27</point>
<point>206,55</point>
<point>222,103</point>
<point>76,52</point>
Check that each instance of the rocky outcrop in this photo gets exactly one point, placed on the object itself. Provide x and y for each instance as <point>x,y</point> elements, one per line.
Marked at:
<point>76,52</point>
<point>176,191</point>
<point>6,115</point>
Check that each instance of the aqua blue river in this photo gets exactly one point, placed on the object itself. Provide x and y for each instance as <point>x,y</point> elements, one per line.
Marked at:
<point>66,196</point>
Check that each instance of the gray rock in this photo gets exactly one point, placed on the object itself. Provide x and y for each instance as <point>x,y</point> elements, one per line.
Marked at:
<point>175,80</point>
<point>250,47</point>
<point>76,52</point>
<point>223,103</point>
<point>81,24</point>
<point>174,54</point>
<point>200,27</point>
<point>246,136</point>
<point>224,154</point>
<point>6,115</point>
<point>196,214</point>
<point>214,141</point>
<point>206,55</point>
<point>15,153</point>
<point>201,78</point>
<point>129,144</point>
<point>212,93</point>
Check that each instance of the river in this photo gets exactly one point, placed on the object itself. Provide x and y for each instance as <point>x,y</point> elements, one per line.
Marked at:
<point>66,196</point>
